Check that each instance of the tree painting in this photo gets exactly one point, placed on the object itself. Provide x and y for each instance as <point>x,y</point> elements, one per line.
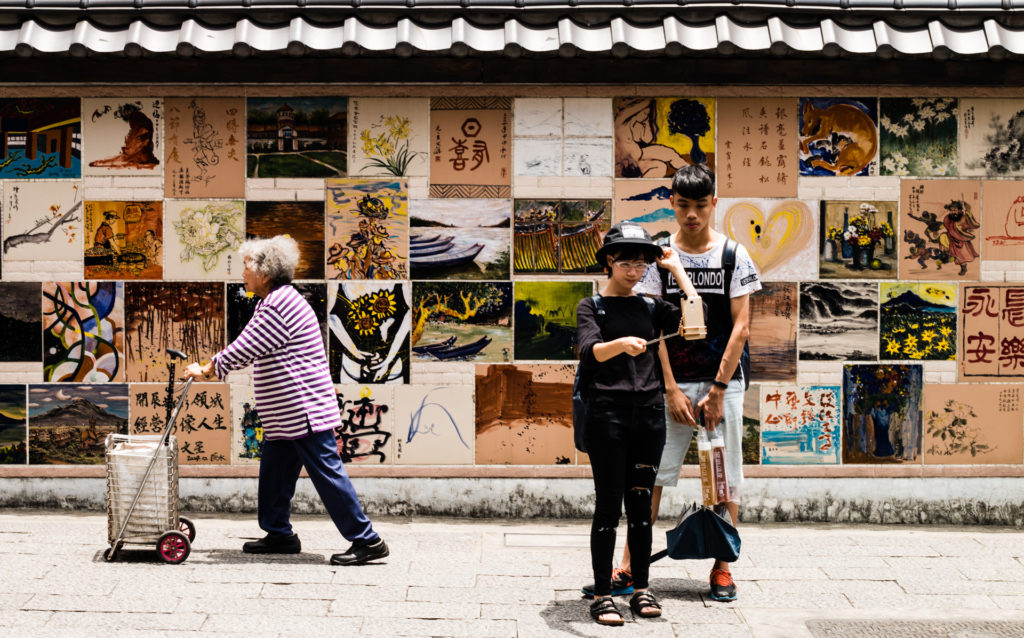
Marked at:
<point>476,314</point>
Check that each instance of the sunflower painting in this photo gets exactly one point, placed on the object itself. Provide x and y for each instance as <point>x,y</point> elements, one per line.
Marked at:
<point>369,326</point>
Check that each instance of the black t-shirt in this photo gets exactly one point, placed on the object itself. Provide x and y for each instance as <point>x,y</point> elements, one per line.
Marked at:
<point>638,376</point>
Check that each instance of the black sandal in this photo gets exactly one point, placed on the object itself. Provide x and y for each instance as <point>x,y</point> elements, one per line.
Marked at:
<point>645,600</point>
<point>605,605</point>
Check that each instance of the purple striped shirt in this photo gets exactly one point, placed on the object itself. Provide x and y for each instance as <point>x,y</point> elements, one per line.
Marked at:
<point>294,392</point>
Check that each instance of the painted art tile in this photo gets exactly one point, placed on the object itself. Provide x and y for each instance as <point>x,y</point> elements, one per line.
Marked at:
<point>587,117</point>
<point>772,341</point>
<point>123,136</point>
<point>247,429</point>
<point>205,147</point>
<point>470,153</point>
<point>68,424</point>
<point>460,238</point>
<point>13,425</point>
<point>389,136</point>
<point>838,321</point>
<point>367,432</point>
<point>756,135</point>
<point>587,157</point>
<point>939,227</point>
<point>42,221</point>
<point>918,321</point>
<point>83,331</point>
<point>838,136</point>
<point>434,425</point>
<point>545,319</point>
<point>124,240</point>
<point>303,221</point>
<point>991,333</point>
<point>778,233</point>
<point>202,428</point>
<point>52,149</point>
<point>367,229</point>
<point>202,239</point>
<point>369,324</point>
<point>990,136</point>
<point>538,157</point>
<point>645,202</point>
<point>296,136</point>
<point>524,414</point>
<point>882,413</point>
<point>973,424</point>
<point>241,305</point>
<point>655,137</point>
<point>800,424</point>
<point>857,240</point>
<point>21,321</point>
<point>1002,222</point>
<point>559,236</point>
<point>186,316</point>
<point>919,136</point>
<point>462,321</point>
<point>538,116</point>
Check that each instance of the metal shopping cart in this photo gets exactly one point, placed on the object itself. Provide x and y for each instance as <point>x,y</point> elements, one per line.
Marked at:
<point>142,487</point>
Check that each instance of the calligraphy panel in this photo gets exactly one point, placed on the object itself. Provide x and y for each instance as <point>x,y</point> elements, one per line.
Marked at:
<point>838,136</point>
<point>122,136</point>
<point>976,424</point>
<point>756,139</point>
<point>366,434</point>
<point>434,425</point>
<point>1002,220</point>
<point>991,333</point>
<point>470,147</point>
<point>367,229</point>
<point>389,136</point>
<point>202,428</point>
<point>205,147</point>
<point>800,424</point>
<point>938,226</point>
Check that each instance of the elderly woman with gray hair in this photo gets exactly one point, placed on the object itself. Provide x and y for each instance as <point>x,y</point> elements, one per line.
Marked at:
<point>296,403</point>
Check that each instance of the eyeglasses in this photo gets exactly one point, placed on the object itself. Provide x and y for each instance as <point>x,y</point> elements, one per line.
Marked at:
<point>633,266</point>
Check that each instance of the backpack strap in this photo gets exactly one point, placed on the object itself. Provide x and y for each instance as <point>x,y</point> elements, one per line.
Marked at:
<point>728,263</point>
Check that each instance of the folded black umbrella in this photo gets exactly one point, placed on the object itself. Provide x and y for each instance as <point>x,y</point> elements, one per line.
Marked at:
<point>701,533</point>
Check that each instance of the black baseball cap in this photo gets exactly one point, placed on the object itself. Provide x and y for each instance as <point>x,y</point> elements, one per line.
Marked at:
<point>627,234</point>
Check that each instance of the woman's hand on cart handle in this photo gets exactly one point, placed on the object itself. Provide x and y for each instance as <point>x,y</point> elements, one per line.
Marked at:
<point>198,372</point>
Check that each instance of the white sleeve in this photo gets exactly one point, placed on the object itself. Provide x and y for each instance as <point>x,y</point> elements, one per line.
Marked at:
<point>745,278</point>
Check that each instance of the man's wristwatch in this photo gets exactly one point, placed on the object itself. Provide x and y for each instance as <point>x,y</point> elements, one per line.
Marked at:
<point>719,384</point>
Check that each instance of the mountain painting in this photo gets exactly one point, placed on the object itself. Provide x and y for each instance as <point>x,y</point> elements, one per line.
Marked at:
<point>838,321</point>
<point>21,321</point>
<point>68,424</point>
<point>12,424</point>
<point>918,321</point>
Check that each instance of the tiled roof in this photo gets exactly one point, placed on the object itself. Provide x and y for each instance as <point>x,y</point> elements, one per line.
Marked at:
<point>403,36</point>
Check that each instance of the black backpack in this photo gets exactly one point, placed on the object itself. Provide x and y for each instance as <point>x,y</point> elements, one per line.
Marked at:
<point>581,385</point>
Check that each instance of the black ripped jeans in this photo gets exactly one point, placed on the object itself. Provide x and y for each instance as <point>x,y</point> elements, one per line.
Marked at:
<point>624,442</point>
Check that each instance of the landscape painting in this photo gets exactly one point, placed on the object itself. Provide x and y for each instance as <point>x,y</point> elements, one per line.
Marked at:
<point>560,236</point>
<point>459,238</point>
<point>389,136</point>
<point>838,321</point>
<point>124,240</point>
<point>296,137</point>
<point>1002,220</point>
<point>122,136</point>
<point>773,323</point>
<point>973,424</point>
<point>367,432</point>
<point>21,321</point>
<point>838,136</point>
<point>919,136</point>
<point>857,240</point>
<point>303,221</point>
<point>367,229</point>
<point>42,221</point>
<point>655,137</point>
<point>545,319</point>
<point>882,413</point>
<point>242,305</point>
<point>40,138</point>
<point>205,150</point>
<point>645,202</point>
<point>800,424</point>
<point>918,321</point>
<point>68,424</point>
<point>203,427</point>
<point>83,332</point>
<point>939,223</point>
<point>778,234</point>
<point>202,239</point>
<point>369,324</point>
<point>434,425</point>
<point>13,425</point>
<point>470,147</point>
<point>462,321</point>
<point>524,415</point>
<point>991,136</point>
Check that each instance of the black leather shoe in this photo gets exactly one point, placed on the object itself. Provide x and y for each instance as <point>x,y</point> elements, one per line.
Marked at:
<point>274,545</point>
<point>359,554</point>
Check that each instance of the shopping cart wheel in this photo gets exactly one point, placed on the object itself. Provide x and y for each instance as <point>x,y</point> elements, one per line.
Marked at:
<point>188,528</point>
<point>110,554</point>
<point>173,547</point>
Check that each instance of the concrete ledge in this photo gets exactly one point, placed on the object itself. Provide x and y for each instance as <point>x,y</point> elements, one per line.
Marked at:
<point>975,500</point>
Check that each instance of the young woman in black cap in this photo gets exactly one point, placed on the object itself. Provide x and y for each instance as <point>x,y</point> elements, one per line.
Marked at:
<point>625,424</point>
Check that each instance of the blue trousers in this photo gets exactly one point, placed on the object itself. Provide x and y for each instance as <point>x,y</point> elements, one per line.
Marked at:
<point>280,464</point>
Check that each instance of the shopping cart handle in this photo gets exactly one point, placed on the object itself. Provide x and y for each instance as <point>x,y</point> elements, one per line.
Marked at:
<point>176,354</point>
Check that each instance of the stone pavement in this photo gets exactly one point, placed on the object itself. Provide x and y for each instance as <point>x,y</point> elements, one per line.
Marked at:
<point>477,578</point>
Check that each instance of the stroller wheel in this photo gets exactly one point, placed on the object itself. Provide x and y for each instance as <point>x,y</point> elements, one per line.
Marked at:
<point>110,554</point>
<point>173,547</point>
<point>188,528</point>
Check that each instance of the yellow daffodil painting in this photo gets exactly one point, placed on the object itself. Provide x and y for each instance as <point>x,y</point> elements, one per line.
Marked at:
<point>918,321</point>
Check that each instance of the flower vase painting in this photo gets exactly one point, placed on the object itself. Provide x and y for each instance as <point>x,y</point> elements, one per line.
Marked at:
<point>882,413</point>
<point>857,240</point>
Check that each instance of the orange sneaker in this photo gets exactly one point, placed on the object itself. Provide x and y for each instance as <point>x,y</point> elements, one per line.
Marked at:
<point>723,589</point>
